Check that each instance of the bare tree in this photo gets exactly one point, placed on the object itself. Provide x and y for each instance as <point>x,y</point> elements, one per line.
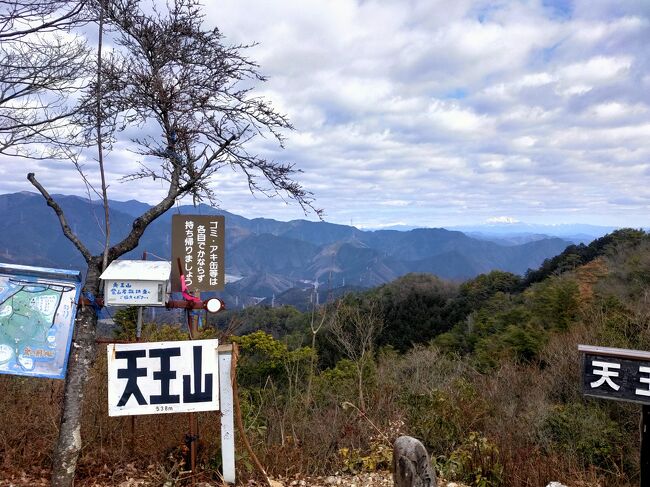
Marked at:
<point>354,329</point>
<point>315,325</point>
<point>183,85</point>
<point>195,91</point>
<point>41,66</point>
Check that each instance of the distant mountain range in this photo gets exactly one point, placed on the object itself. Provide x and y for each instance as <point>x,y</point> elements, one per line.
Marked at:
<point>519,232</point>
<point>270,257</point>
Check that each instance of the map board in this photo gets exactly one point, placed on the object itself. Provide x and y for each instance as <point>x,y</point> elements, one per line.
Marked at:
<point>199,241</point>
<point>37,312</point>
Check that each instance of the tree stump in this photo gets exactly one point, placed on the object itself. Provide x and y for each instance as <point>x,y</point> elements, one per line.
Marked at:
<point>411,464</point>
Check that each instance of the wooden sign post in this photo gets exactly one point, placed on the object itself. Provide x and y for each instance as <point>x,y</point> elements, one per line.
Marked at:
<point>621,375</point>
<point>169,377</point>
<point>198,244</point>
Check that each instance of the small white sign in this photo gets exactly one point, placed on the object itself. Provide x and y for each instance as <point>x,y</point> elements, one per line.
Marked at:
<point>163,377</point>
<point>134,293</point>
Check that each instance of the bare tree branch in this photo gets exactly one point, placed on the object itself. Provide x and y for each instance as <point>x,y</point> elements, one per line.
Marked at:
<point>168,76</point>
<point>354,330</point>
<point>100,145</point>
<point>67,231</point>
<point>172,75</point>
<point>41,69</point>
<point>28,12</point>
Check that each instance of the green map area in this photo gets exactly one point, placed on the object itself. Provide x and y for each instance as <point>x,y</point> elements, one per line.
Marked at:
<point>28,328</point>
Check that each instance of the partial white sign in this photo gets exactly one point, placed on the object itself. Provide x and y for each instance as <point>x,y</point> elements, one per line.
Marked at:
<point>163,377</point>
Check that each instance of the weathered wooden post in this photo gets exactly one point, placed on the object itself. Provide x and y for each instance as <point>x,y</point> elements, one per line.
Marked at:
<point>226,403</point>
<point>198,249</point>
<point>411,464</point>
<point>645,446</point>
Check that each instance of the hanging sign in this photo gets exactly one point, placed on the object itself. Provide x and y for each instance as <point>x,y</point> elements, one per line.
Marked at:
<point>199,242</point>
<point>37,312</point>
<point>134,293</point>
<point>136,282</point>
<point>162,377</point>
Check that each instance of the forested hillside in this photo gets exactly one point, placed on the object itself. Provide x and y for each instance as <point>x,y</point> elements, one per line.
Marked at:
<point>268,257</point>
<point>486,373</point>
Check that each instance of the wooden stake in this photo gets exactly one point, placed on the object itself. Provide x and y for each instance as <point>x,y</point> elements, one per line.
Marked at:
<point>645,446</point>
<point>238,417</point>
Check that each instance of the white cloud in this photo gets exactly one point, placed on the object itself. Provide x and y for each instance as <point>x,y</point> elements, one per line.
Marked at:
<point>615,110</point>
<point>435,113</point>
<point>598,69</point>
<point>450,116</point>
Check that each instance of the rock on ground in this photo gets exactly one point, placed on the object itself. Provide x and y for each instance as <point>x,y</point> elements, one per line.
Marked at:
<point>411,464</point>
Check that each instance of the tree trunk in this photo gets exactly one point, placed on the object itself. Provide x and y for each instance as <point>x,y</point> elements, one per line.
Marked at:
<point>362,401</point>
<point>312,367</point>
<point>82,356</point>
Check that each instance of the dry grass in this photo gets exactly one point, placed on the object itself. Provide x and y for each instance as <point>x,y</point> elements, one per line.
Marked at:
<point>300,437</point>
<point>30,416</point>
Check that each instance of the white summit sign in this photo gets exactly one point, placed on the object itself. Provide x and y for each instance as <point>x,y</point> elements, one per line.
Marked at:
<point>163,377</point>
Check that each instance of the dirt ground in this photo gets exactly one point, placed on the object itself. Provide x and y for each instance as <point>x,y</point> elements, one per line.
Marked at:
<point>137,479</point>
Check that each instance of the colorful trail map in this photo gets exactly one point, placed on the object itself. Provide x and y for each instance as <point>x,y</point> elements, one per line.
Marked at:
<point>36,322</point>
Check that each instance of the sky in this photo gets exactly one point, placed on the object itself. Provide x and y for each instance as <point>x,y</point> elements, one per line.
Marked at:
<point>437,113</point>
